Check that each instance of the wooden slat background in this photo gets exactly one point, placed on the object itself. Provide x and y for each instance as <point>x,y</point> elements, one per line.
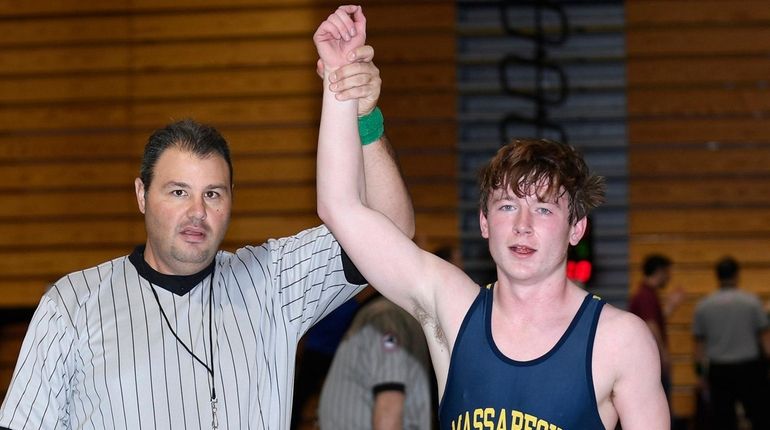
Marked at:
<point>699,157</point>
<point>82,85</point>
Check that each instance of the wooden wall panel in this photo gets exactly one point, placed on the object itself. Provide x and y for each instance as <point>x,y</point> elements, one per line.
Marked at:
<point>651,130</point>
<point>82,84</point>
<point>698,162</point>
<point>698,101</point>
<point>700,12</point>
<point>699,151</point>
<point>703,249</point>
<point>244,140</point>
<point>687,71</point>
<point>739,193</point>
<point>704,222</point>
<point>237,111</point>
<point>698,40</point>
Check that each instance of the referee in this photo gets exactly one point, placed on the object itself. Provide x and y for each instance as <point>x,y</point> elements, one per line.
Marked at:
<point>179,334</point>
<point>379,376</point>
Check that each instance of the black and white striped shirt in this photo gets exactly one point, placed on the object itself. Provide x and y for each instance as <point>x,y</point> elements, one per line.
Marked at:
<point>98,353</point>
<point>383,350</point>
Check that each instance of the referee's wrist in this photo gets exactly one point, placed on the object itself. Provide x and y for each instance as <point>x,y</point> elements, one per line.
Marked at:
<point>371,126</point>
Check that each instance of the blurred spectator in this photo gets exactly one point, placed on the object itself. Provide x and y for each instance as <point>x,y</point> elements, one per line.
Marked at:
<point>379,376</point>
<point>315,355</point>
<point>732,332</point>
<point>646,304</point>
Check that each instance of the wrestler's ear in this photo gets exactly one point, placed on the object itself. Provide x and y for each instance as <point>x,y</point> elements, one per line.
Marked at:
<point>483,224</point>
<point>577,231</point>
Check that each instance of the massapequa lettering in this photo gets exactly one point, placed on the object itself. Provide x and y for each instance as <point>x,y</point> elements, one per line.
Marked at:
<point>493,419</point>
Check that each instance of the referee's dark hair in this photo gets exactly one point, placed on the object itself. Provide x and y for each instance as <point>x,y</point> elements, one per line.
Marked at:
<point>655,262</point>
<point>187,135</point>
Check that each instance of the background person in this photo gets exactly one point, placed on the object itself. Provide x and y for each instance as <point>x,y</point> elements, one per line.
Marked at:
<point>379,376</point>
<point>315,355</point>
<point>646,304</point>
<point>732,333</point>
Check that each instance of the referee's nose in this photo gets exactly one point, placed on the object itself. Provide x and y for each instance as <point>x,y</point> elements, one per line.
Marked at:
<point>197,208</point>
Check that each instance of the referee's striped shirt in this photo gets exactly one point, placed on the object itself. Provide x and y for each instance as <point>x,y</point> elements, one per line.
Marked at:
<point>383,350</point>
<point>98,353</point>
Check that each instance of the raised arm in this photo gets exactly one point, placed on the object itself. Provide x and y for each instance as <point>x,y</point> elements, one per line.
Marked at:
<point>432,290</point>
<point>383,254</point>
<point>385,189</point>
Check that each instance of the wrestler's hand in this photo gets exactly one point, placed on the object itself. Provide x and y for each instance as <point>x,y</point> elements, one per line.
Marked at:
<point>339,35</point>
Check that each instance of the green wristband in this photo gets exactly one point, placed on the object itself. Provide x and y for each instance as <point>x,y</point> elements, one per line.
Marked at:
<point>371,126</point>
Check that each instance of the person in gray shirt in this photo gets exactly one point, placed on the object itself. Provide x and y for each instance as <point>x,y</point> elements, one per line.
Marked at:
<point>732,333</point>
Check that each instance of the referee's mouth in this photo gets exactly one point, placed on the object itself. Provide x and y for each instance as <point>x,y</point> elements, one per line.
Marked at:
<point>193,235</point>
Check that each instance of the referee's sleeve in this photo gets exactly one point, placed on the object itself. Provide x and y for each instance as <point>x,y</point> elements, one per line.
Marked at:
<point>39,388</point>
<point>352,274</point>
<point>309,276</point>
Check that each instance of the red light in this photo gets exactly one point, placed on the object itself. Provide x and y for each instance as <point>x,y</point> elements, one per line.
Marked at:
<point>579,270</point>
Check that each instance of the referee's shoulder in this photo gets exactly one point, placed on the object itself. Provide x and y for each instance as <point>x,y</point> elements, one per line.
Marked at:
<point>75,288</point>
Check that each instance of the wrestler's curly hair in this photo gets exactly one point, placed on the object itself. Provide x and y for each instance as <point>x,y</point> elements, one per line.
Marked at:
<point>552,168</point>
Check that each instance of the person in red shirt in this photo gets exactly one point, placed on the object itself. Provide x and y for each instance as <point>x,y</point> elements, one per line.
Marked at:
<point>646,304</point>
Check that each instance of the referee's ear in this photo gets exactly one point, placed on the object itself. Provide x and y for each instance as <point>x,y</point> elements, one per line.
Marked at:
<point>139,188</point>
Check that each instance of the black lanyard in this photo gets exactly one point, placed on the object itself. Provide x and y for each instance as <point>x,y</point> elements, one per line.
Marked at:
<point>210,370</point>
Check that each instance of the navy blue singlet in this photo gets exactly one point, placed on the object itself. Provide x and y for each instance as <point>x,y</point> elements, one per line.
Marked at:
<point>487,390</point>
